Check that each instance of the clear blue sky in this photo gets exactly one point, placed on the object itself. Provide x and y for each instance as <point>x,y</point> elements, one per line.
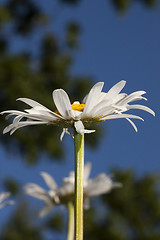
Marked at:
<point>112,48</point>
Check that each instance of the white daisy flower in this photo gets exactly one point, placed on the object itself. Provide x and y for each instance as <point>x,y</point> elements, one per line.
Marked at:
<point>62,195</point>
<point>4,196</point>
<point>97,106</point>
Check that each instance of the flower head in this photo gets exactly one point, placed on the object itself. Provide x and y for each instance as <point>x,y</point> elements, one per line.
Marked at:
<point>3,196</point>
<point>62,195</point>
<point>96,107</point>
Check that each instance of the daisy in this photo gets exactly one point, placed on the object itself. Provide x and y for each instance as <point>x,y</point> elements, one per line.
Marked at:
<point>3,197</point>
<point>101,184</point>
<point>96,107</point>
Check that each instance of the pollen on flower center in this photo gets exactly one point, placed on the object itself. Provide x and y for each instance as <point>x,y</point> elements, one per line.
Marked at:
<point>78,107</point>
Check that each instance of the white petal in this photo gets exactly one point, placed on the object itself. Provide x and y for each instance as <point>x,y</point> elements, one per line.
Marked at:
<point>32,103</point>
<point>141,107</point>
<point>89,131</point>
<point>86,203</point>
<point>113,92</point>
<point>62,134</point>
<point>65,130</point>
<point>41,117</point>
<point>120,97</point>
<point>133,97</point>
<point>13,112</point>
<point>47,113</point>
<point>11,128</point>
<point>99,185</point>
<point>92,98</point>
<point>85,99</point>
<point>75,114</point>
<point>4,195</point>
<point>17,120</point>
<point>102,108</point>
<point>38,195</point>
<point>62,102</point>
<point>35,116</point>
<point>114,116</point>
<point>67,188</point>
<point>10,202</point>
<point>46,210</point>
<point>87,170</point>
<point>132,123</point>
<point>49,180</point>
<point>8,128</point>
<point>69,179</point>
<point>32,187</point>
<point>80,128</point>
<point>54,196</point>
<point>107,106</point>
<point>41,196</point>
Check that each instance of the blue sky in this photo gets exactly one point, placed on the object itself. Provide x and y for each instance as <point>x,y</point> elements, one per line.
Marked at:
<point>112,47</point>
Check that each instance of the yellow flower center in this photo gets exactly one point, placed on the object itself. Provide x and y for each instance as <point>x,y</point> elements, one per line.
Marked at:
<point>78,107</point>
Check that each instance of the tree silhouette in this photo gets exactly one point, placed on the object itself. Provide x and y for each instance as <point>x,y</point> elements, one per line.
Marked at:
<point>130,213</point>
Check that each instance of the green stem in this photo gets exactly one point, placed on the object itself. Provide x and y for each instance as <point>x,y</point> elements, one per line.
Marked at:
<point>70,234</point>
<point>79,169</point>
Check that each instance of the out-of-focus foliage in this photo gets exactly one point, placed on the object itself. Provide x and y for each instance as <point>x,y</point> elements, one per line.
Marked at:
<point>12,186</point>
<point>25,15</point>
<point>128,213</point>
<point>36,75</point>
<point>56,223</point>
<point>21,226</point>
<point>123,5</point>
<point>73,31</point>
<point>70,1</point>
<point>4,15</point>
<point>120,5</point>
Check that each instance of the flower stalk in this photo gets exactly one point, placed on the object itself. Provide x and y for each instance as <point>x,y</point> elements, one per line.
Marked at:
<point>79,171</point>
<point>70,234</point>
